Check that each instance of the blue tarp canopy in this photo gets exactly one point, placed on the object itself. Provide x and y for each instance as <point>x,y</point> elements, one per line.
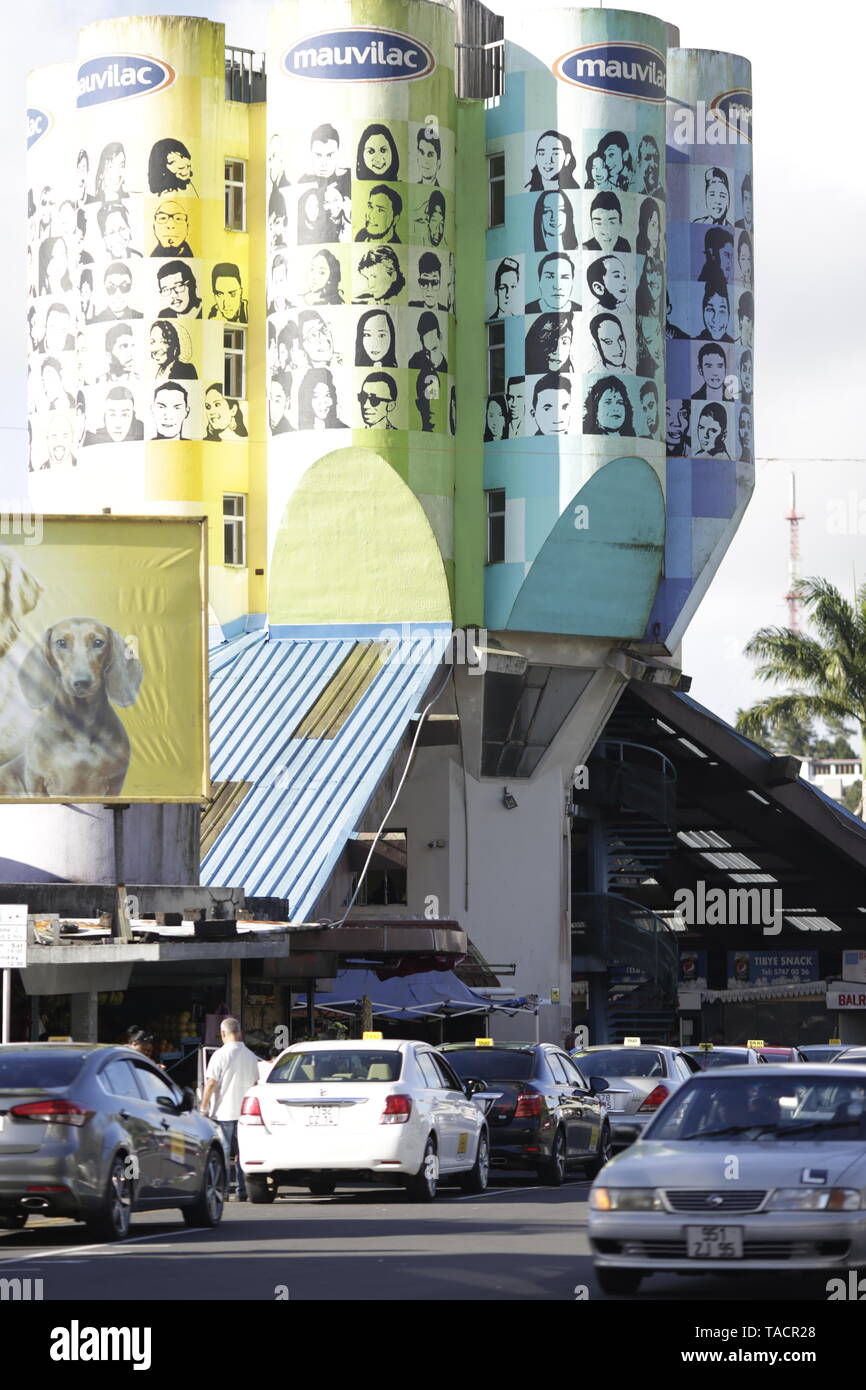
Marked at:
<point>432,993</point>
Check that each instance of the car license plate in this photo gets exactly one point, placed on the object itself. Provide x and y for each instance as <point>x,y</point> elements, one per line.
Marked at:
<point>322,1115</point>
<point>607,1100</point>
<point>714,1242</point>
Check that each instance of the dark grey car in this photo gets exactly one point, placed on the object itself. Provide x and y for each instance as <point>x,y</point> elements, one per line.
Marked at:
<point>95,1132</point>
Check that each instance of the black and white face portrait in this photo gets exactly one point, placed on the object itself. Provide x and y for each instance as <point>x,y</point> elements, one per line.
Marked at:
<point>378,400</point>
<point>178,291</point>
<point>716,187</point>
<point>59,438</point>
<point>607,409</point>
<point>116,231</point>
<point>712,368</point>
<point>515,404</point>
<point>377,156</point>
<point>605,218</point>
<point>276,165</point>
<point>430,292</point>
<point>710,432</point>
<point>120,423</point>
<point>550,410</point>
<point>507,289</point>
<point>556,277</point>
<point>608,283</point>
<point>744,433</point>
<point>428,156</point>
<point>650,345</point>
<point>647,172</point>
<point>376,340</point>
<point>228,293</point>
<point>648,411</point>
<point>677,438</point>
<point>611,345</point>
<point>746,320</point>
<point>170,410</point>
<point>381,211</point>
<point>716,312</point>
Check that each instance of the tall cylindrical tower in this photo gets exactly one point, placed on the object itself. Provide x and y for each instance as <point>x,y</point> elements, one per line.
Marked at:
<point>709,424</point>
<point>140,303</point>
<point>576,274</point>
<point>361,236</point>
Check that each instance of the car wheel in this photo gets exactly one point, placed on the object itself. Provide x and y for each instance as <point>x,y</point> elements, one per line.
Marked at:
<point>421,1187</point>
<point>322,1187</point>
<point>552,1172</point>
<point>475,1181</point>
<point>111,1221</point>
<point>618,1280</point>
<point>207,1209</point>
<point>13,1220</point>
<point>260,1188</point>
<point>604,1155</point>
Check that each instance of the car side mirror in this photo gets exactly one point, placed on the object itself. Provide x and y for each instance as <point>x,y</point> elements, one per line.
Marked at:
<point>473,1084</point>
<point>187,1100</point>
<point>596,1084</point>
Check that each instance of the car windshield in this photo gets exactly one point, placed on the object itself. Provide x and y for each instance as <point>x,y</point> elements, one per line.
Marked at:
<point>762,1109</point>
<point>630,1061</point>
<point>719,1057</point>
<point>337,1064</point>
<point>38,1069</point>
<point>492,1064</point>
<point>821,1052</point>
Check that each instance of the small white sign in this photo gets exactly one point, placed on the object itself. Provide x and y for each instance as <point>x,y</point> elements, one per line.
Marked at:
<point>13,936</point>
<point>842,996</point>
<point>854,966</point>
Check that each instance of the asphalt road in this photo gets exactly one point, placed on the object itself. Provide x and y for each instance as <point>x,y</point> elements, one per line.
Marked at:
<point>519,1242</point>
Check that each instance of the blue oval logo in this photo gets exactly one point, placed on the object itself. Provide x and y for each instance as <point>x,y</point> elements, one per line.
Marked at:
<point>620,69</point>
<point>38,122</point>
<point>735,109</point>
<point>360,54</point>
<point>119,76</point>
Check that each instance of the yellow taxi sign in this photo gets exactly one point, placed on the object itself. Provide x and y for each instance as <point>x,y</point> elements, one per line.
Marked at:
<point>631,1042</point>
<point>371,1037</point>
<point>483,1042</point>
<point>706,1047</point>
<point>755,1042</point>
<point>61,1038</point>
<point>835,1042</point>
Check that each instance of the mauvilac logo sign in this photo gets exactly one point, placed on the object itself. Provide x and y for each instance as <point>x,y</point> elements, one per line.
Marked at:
<point>121,75</point>
<point>360,54</point>
<point>735,109</point>
<point>38,122</point>
<point>619,69</point>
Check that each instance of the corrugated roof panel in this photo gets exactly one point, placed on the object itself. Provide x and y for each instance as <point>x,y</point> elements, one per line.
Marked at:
<point>309,793</point>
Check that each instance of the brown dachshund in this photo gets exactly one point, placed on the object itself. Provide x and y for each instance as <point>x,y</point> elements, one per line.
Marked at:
<point>19,595</point>
<point>77,746</point>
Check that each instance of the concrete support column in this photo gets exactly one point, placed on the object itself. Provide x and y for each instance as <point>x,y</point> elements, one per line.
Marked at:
<point>84,1016</point>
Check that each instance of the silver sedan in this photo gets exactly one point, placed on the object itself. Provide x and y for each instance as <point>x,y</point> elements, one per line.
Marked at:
<point>743,1168</point>
<point>638,1078</point>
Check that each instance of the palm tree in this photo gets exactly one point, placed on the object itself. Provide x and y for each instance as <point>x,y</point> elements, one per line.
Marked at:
<point>828,670</point>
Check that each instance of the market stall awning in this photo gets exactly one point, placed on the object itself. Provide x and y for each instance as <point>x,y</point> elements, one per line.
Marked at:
<point>302,731</point>
<point>811,989</point>
<point>431,994</point>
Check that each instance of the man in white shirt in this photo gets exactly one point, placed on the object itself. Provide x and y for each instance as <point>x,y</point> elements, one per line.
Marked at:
<point>231,1071</point>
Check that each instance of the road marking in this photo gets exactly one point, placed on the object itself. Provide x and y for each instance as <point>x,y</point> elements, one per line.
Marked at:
<point>106,1247</point>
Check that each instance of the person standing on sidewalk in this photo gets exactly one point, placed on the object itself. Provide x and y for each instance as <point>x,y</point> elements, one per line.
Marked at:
<point>231,1071</point>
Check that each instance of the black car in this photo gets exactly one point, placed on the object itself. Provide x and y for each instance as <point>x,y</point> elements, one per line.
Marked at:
<point>546,1115</point>
<point>95,1132</point>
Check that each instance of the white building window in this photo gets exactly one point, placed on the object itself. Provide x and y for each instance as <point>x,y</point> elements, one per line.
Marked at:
<point>234,528</point>
<point>236,195</point>
<point>495,358</point>
<point>234,350</point>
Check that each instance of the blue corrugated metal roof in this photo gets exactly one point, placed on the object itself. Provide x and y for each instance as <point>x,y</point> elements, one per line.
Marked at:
<point>309,793</point>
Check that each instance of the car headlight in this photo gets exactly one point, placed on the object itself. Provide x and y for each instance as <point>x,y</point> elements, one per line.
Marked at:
<point>625,1199</point>
<point>814,1199</point>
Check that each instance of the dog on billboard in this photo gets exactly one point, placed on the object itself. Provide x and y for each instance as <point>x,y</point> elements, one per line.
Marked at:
<point>77,746</point>
<point>19,595</point>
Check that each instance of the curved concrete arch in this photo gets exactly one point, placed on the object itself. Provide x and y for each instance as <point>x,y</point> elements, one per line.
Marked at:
<point>598,571</point>
<point>354,546</point>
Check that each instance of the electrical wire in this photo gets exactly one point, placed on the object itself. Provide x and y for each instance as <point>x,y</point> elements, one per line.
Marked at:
<point>376,838</point>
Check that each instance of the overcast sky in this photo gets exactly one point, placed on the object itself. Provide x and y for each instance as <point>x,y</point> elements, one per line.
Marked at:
<point>810,272</point>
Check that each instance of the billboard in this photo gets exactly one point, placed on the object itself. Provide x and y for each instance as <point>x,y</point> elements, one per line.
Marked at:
<point>102,659</point>
<point>772,967</point>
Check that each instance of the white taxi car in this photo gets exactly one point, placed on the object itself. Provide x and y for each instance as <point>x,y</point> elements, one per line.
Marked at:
<point>342,1111</point>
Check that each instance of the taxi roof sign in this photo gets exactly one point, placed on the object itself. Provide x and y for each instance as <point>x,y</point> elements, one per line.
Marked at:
<point>631,1042</point>
<point>755,1042</point>
<point>706,1046</point>
<point>371,1037</point>
<point>483,1042</point>
<point>835,1042</point>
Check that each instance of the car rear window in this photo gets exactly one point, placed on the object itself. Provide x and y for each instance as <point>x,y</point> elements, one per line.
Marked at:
<point>339,1064</point>
<point>492,1064</point>
<point>720,1057</point>
<point>631,1061</point>
<point>39,1069</point>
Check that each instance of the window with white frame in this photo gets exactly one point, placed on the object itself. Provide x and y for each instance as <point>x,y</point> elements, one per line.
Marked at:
<point>236,195</point>
<point>496,190</point>
<point>496,526</point>
<point>234,528</point>
<point>234,349</point>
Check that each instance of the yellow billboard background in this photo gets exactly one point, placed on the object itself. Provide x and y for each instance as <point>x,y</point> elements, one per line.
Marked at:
<point>142,581</point>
